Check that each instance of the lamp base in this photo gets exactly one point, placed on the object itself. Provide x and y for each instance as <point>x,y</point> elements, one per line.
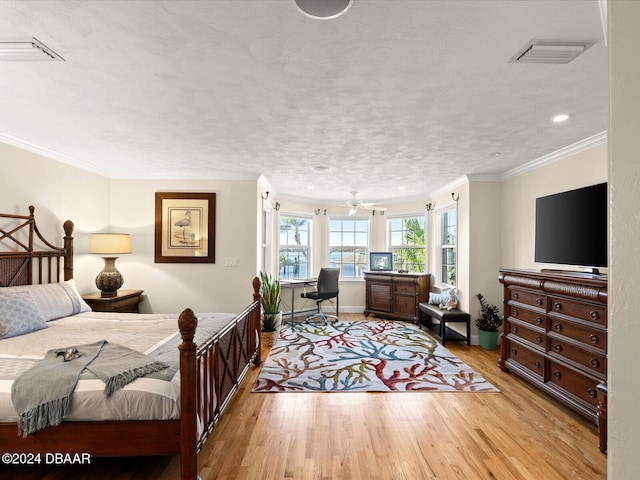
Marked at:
<point>109,280</point>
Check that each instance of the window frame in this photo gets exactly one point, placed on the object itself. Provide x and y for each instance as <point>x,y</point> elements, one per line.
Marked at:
<point>363,265</point>
<point>442,247</point>
<point>309,247</point>
<point>404,246</point>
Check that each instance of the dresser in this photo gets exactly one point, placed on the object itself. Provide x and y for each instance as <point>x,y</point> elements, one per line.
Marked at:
<point>555,334</point>
<point>395,295</point>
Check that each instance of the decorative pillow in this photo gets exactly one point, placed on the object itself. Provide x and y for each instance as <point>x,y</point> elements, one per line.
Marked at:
<point>55,300</point>
<point>19,314</point>
<point>438,298</point>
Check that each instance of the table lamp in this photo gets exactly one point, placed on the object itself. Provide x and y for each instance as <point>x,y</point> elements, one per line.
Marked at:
<point>109,280</point>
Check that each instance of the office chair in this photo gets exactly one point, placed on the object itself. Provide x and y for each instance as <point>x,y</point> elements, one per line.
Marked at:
<point>326,288</point>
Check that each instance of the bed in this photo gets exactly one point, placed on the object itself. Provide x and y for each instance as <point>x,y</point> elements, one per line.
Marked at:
<point>209,368</point>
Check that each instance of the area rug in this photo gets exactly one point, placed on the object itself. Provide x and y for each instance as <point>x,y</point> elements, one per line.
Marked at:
<point>364,356</point>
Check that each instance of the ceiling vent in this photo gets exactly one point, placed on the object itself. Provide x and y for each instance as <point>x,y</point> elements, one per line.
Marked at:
<point>26,50</point>
<point>549,51</point>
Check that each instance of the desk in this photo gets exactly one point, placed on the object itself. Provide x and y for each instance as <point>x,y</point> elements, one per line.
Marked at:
<point>292,284</point>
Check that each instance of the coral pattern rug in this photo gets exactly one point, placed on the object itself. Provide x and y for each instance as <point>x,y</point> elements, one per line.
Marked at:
<point>364,356</point>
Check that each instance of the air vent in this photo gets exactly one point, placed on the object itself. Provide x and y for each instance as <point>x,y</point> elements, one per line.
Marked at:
<point>550,51</point>
<point>26,50</point>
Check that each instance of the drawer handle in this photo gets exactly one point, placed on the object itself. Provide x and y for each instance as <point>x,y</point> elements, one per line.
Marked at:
<point>594,315</point>
<point>514,312</point>
<point>558,348</point>
<point>557,327</point>
<point>514,329</point>
<point>536,364</point>
<point>557,306</point>
<point>594,338</point>
<point>514,352</point>
<point>515,296</point>
<point>538,321</point>
<point>592,393</point>
<point>539,339</point>
<point>538,301</point>
<point>595,363</point>
<point>557,375</point>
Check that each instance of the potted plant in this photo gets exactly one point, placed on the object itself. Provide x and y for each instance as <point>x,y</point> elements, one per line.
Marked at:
<point>488,324</point>
<point>271,314</point>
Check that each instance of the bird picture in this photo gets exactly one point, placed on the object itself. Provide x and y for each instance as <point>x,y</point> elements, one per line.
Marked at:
<point>185,235</point>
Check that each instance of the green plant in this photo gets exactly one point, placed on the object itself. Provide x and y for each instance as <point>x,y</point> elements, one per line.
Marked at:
<point>490,319</point>
<point>270,294</point>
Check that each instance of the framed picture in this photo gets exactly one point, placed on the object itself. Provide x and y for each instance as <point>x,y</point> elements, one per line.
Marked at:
<point>185,227</point>
<point>381,261</point>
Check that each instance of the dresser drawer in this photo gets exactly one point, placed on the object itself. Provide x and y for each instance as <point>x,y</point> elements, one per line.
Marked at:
<point>581,310</point>
<point>527,297</point>
<point>579,385</point>
<point>591,336</point>
<point>529,316</point>
<point>405,288</point>
<point>405,304</point>
<point>526,357</point>
<point>522,331</point>
<point>594,362</point>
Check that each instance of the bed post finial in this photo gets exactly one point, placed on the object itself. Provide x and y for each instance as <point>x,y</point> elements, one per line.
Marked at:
<point>256,288</point>
<point>68,249</point>
<point>187,323</point>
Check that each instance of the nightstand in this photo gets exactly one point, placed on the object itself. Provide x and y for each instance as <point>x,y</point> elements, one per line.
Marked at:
<point>125,301</point>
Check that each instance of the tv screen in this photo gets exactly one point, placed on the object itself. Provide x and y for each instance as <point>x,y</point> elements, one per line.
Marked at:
<point>571,227</point>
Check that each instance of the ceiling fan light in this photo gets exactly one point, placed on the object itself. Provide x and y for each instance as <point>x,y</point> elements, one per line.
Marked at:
<point>323,9</point>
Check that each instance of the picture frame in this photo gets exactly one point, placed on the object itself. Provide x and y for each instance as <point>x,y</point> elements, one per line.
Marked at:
<point>185,227</point>
<point>381,261</point>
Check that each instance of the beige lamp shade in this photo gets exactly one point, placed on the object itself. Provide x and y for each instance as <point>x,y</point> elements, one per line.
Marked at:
<point>110,243</point>
<point>109,280</point>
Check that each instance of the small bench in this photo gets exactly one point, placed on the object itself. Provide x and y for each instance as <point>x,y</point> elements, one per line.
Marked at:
<point>428,312</point>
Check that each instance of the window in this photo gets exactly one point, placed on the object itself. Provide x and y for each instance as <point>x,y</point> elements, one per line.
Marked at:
<point>448,243</point>
<point>294,247</point>
<point>349,245</point>
<point>406,241</point>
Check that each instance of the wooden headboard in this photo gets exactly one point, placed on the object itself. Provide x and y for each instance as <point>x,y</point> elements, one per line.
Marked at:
<point>21,263</point>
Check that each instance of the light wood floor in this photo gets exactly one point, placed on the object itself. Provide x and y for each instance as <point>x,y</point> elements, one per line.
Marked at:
<point>517,434</point>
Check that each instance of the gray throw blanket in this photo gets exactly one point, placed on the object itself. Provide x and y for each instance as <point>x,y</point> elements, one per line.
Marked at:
<point>42,395</point>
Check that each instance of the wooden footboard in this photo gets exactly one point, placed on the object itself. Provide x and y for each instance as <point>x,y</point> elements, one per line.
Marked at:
<point>210,375</point>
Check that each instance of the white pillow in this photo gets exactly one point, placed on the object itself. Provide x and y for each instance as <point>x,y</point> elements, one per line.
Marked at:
<point>55,300</point>
<point>438,298</point>
<point>19,314</point>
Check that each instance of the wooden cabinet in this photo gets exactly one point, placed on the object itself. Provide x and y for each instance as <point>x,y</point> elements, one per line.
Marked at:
<point>125,301</point>
<point>555,334</point>
<point>395,295</point>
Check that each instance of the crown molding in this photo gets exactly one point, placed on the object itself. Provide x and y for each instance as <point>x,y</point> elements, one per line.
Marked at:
<point>581,146</point>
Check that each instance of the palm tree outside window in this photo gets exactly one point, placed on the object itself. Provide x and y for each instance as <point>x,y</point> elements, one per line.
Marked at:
<point>294,247</point>
<point>407,243</point>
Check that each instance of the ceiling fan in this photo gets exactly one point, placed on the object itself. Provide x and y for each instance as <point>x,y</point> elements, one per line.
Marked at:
<point>354,204</point>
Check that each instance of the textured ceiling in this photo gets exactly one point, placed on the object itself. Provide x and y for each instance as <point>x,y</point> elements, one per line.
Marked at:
<point>395,93</point>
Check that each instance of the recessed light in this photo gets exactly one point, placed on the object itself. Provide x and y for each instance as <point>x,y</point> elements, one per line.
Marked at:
<point>563,117</point>
<point>401,188</point>
<point>310,187</point>
<point>321,168</point>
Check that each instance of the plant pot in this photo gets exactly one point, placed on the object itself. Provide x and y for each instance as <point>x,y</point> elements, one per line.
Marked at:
<point>488,340</point>
<point>268,338</point>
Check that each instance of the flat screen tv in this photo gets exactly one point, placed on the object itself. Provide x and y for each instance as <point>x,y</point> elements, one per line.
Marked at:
<point>571,227</point>
<point>381,261</point>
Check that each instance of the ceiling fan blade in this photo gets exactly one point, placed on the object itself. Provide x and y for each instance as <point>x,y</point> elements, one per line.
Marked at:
<point>353,210</point>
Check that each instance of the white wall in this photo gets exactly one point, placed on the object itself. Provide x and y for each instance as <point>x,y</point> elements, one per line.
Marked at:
<point>170,287</point>
<point>58,192</point>
<point>624,191</point>
<point>519,195</point>
<point>95,203</point>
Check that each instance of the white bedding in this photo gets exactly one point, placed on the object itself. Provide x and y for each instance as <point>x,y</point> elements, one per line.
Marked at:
<point>143,399</point>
